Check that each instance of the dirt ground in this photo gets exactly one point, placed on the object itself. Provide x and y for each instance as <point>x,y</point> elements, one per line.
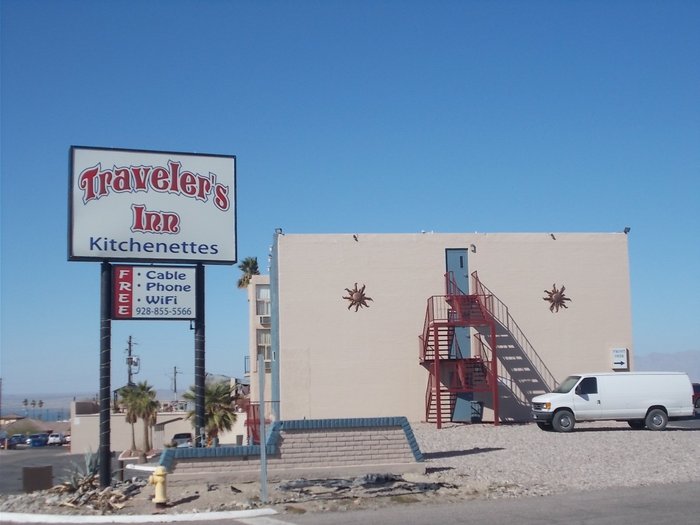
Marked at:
<point>298,496</point>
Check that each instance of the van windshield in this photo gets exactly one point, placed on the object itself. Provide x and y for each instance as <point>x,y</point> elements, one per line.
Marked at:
<point>566,385</point>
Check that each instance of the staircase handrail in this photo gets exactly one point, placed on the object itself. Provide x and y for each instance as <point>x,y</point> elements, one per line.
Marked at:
<point>428,396</point>
<point>507,379</point>
<point>437,311</point>
<point>501,313</point>
<point>451,286</point>
<point>423,339</point>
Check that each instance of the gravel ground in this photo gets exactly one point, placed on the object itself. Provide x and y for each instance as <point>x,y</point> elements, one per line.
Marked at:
<point>530,461</point>
<point>463,462</point>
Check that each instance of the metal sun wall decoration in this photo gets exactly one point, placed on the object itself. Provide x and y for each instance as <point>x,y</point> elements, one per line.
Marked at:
<point>556,298</point>
<point>357,297</point>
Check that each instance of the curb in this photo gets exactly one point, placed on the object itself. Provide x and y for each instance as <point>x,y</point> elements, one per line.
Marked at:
<point>14,517</point>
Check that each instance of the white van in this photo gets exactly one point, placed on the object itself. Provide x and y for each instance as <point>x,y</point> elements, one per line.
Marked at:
<point>642,399</point>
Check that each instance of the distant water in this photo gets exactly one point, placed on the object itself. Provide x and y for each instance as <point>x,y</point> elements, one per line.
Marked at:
<point>42,414</point>
<point>56,407</point>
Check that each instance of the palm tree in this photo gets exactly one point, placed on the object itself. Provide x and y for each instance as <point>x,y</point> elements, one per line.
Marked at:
<point>148,411</point>
<point>33,403</point>
<point>140,402</point>
<point>127,397</point>
<point>40,404</point>
<point>219,408</point>
<point>25,403</point>
<point>152,419</point>
<point>249,267</point>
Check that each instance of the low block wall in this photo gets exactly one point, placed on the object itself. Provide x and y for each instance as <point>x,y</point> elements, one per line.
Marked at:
<point>306,448</point>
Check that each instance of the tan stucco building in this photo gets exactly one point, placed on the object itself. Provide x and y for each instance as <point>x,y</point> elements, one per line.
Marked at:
<point>330,357</point>
<point>85,429</point>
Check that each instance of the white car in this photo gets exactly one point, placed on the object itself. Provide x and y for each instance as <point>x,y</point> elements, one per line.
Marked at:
<point>56,438</point>
<point>182,440</point>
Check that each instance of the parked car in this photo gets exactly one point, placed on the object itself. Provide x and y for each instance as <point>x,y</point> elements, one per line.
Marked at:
<point>17,439</point>
<point>696,396</point>
<point>56,438</point>
<point>38,440</point>
<point>181,440</point>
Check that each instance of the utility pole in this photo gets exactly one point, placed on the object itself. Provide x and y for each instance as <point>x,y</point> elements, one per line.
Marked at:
<point>132,361</point>
<point>175,373</point>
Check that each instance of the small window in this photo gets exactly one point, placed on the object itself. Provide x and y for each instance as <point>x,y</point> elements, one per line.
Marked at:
<point>264,347</point>
<point>589,385</point>
<point>262,299</point>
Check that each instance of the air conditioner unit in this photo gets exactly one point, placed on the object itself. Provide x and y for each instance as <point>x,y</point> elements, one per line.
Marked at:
<point>265,320</point>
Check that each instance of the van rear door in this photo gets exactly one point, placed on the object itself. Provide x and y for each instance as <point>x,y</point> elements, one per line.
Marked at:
<point>587,399</point>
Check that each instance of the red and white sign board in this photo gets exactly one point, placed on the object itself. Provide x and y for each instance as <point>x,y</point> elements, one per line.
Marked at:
<point>131,205</point>
<point>153,292</point>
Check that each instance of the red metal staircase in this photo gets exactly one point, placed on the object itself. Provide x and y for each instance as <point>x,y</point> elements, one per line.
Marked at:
<point>252,422</point>
<point>451,371</point>
<point>497,340</point>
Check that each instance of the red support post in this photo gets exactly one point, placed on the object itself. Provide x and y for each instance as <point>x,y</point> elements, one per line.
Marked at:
<point>436,374</point>
<point>494,373</point>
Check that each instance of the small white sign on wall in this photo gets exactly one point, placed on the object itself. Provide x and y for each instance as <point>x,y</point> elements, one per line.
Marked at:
<point>619,359</point>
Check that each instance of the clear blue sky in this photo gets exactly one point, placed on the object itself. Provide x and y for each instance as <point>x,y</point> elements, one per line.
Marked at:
<point>347,116</point>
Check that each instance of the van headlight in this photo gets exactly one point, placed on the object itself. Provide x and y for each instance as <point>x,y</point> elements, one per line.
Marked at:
<point>546,406</point>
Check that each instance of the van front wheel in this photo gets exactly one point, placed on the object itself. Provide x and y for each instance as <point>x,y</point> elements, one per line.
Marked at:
<point>563,421</point>
<point>656,419</point>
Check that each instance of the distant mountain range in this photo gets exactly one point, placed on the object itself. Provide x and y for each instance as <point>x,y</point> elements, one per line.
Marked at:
<point>688,362</point>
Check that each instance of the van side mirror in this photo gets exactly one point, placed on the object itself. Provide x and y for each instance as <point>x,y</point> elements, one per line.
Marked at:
<point>578,390</point>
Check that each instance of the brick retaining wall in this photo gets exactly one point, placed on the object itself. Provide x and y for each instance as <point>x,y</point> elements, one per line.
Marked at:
<point>306,448</point>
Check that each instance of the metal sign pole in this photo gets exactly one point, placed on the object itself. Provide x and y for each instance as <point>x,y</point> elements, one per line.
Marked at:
<point>263,442</point>
<point>105,454</point>
<point>199,374</point>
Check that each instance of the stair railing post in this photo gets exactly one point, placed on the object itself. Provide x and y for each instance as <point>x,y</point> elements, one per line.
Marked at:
<point>436,375</point>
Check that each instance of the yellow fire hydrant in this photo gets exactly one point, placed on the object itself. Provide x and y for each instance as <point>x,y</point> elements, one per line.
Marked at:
<point>160,481</point>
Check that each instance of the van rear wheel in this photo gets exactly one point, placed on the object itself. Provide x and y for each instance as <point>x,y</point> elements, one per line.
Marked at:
<point>563,421</point>
<point>656,419</point>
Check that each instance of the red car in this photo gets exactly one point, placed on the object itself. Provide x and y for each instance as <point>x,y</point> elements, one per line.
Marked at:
<point>696,395</point>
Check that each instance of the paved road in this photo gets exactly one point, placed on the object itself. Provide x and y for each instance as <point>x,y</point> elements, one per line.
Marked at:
<point>13,461</point>
<point>677,504</point>
<point>60,459</point>
<point>693,424</point>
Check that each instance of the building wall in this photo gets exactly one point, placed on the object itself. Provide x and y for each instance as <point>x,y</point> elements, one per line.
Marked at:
<point>307,448</point>
<point>85,431</point>
<point>336,362</point>
<point>253,326</point>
